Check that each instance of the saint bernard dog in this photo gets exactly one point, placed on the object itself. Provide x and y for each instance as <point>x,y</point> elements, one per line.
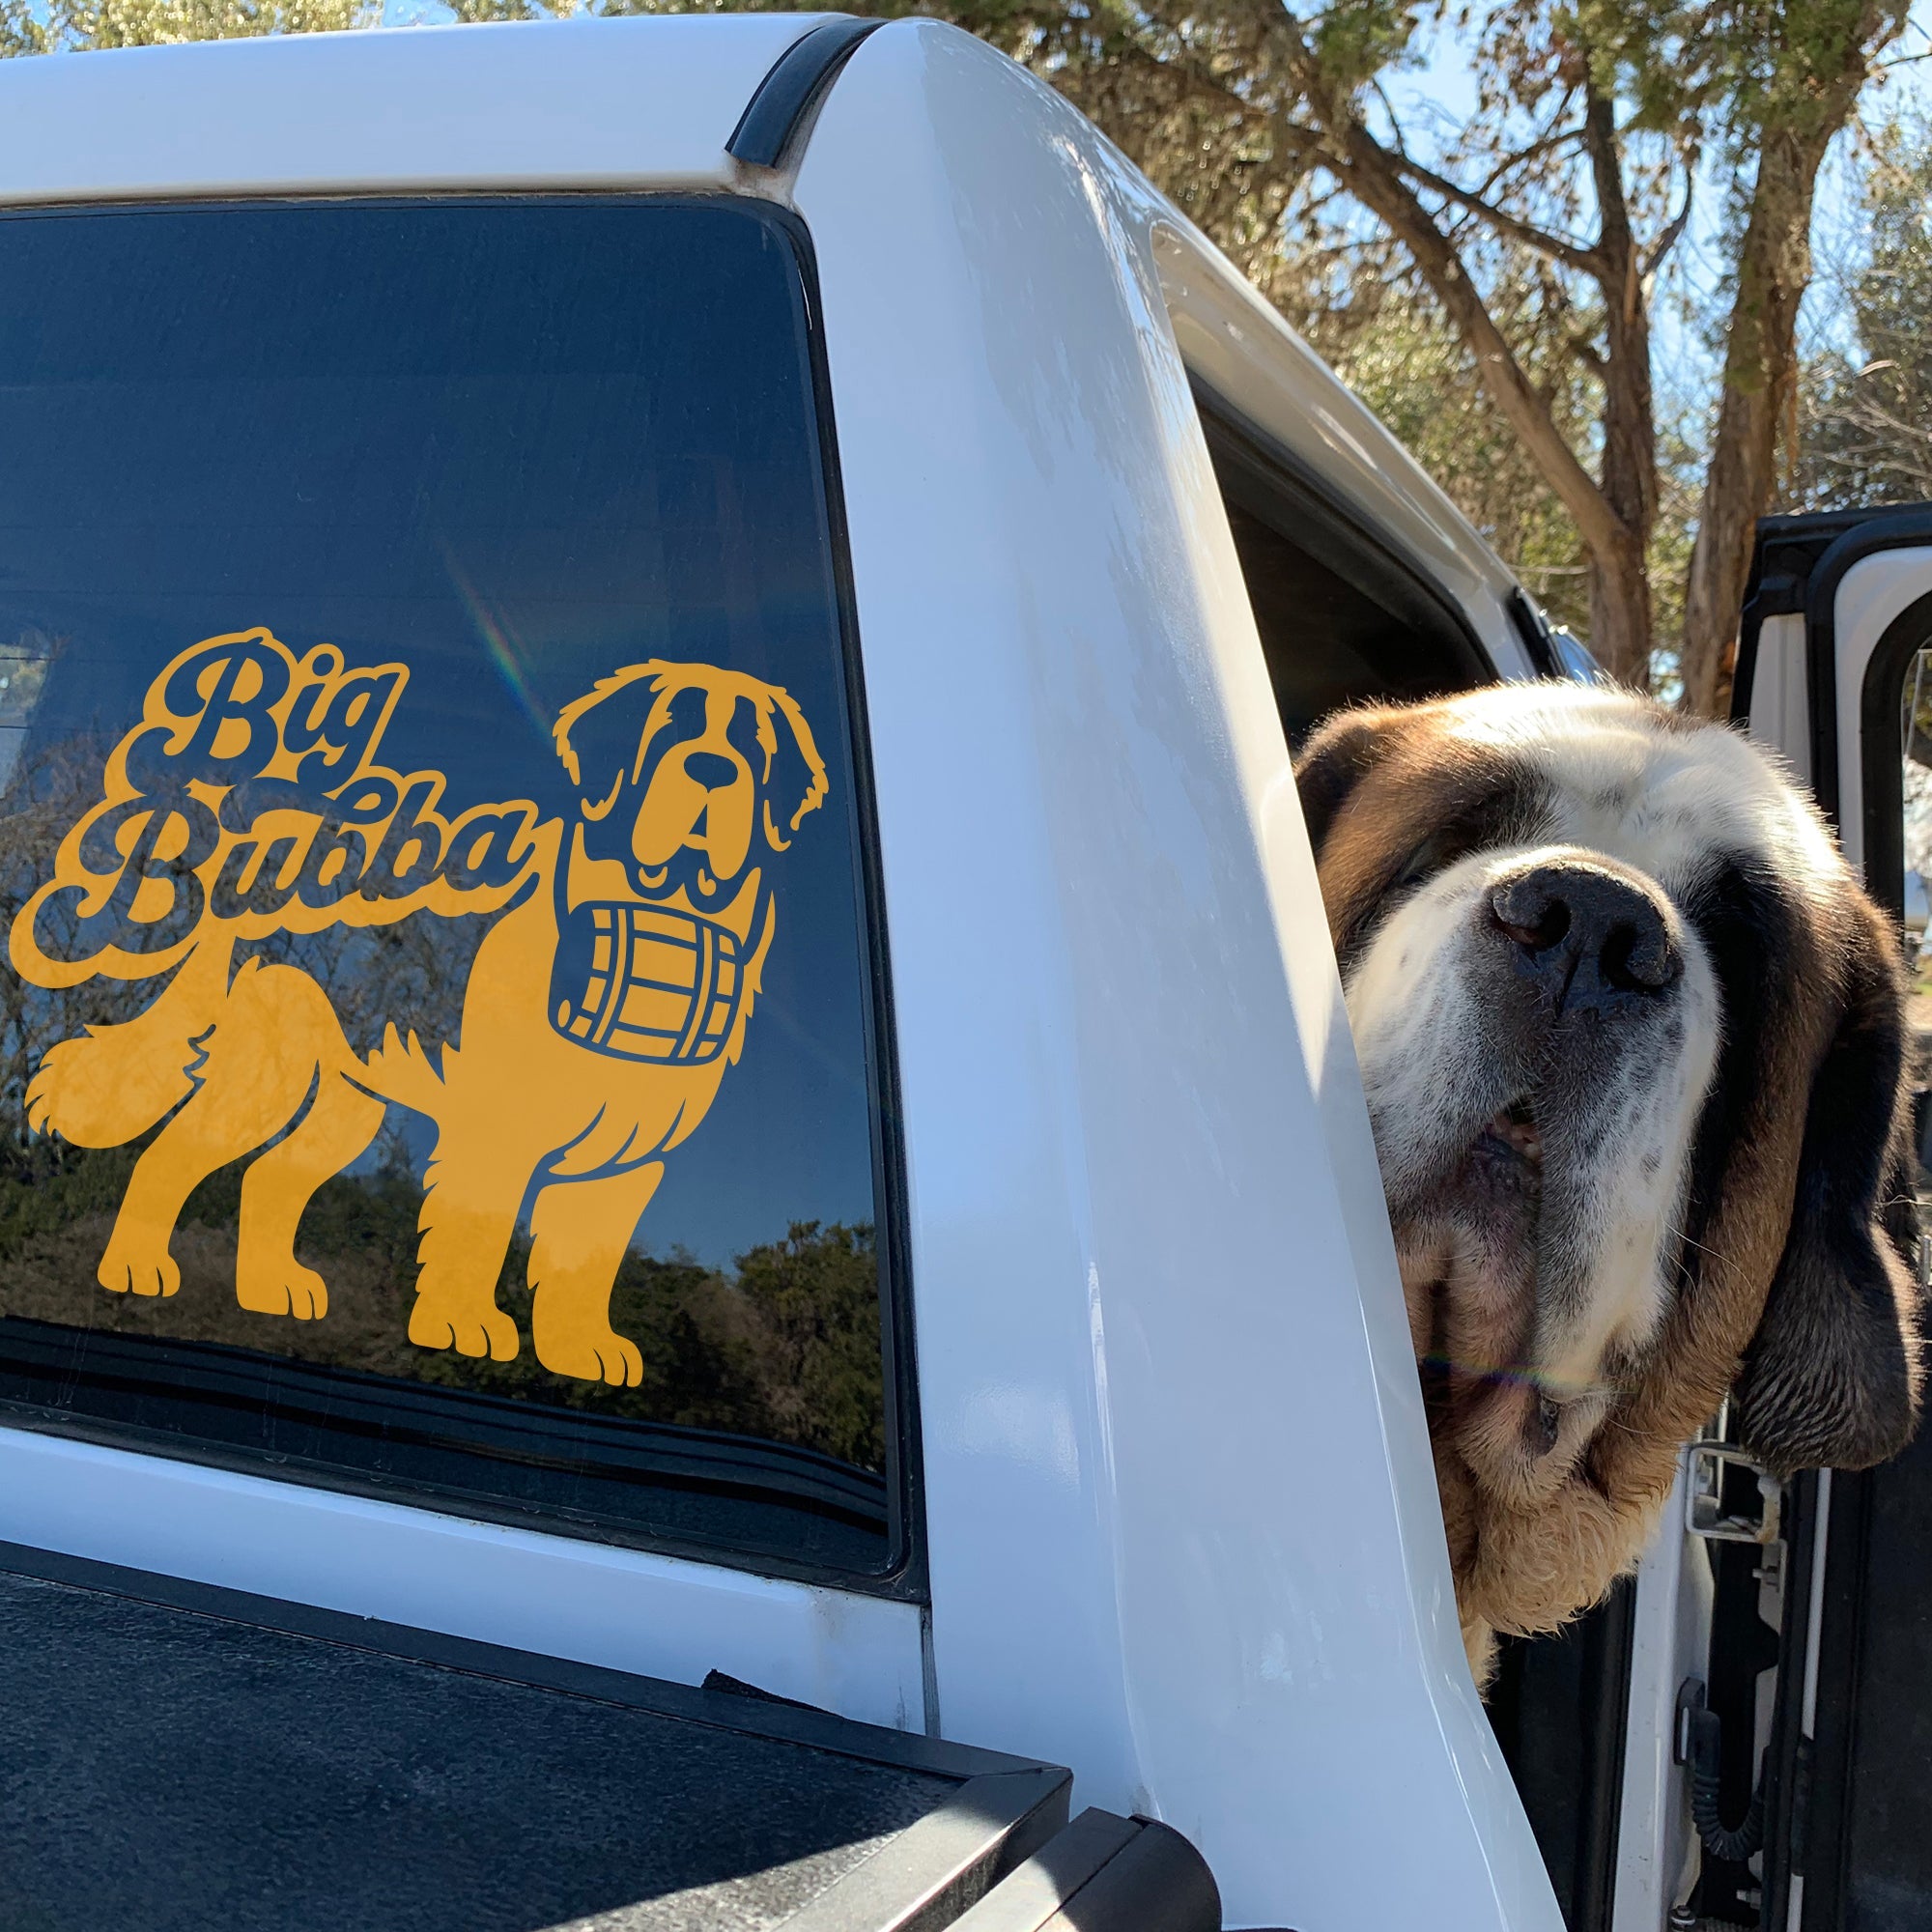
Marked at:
<point>1635,1047</point>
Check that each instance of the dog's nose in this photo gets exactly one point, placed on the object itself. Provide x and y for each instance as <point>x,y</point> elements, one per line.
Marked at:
<point>713,770</point>
<point>1584,936</point>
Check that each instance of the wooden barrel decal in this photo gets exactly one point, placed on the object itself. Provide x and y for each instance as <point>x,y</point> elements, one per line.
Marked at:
<point>644,983</point>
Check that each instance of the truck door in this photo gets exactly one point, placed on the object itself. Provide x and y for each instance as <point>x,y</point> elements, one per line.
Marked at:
<point>1836,668</point>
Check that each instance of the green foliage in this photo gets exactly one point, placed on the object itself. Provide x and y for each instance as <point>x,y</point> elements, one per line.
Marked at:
<point>1866,407</point>
<point>1239,113</point>
<point>26,28</point>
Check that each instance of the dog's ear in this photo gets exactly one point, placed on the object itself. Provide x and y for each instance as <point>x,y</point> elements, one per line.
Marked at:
<point>794,772</point>
<point>1340,753</point>
<point>600,737</point>
<point>1831,1380</point>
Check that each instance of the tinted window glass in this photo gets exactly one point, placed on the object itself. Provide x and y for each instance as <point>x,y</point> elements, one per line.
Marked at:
<point>440,1049</point>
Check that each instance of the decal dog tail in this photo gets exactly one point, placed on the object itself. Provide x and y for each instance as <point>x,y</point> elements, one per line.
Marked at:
<point>113,1083</point>
<point>400,1071</point>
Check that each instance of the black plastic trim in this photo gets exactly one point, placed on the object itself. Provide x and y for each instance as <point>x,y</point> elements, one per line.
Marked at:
<point>784,99</point>
<point>1104,1874</point>
<point>905,1498</point>
<point>1032,1895</point>
<point>925,1875</point>
<point>1538,645</point>
<point>1883,788</point>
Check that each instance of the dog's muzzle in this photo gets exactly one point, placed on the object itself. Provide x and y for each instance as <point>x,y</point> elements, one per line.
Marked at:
<point>644,983</point>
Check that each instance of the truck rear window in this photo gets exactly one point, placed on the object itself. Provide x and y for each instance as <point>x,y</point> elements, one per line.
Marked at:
<point>441,1035</point>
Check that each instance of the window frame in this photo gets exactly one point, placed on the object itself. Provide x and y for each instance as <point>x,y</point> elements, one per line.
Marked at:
<point>1370,562</point>
<point>903,1573</point>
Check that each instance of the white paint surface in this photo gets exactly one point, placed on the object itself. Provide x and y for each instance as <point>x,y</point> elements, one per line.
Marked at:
<point>1185,1533</point>
<point>561,104</point>
<point>1183,1526</point>
<point>557,1596</point>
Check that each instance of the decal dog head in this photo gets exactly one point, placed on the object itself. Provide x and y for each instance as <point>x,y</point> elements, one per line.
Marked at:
<point>1634,1046</point>
<point>600,1015</point>
<point>682,769</point>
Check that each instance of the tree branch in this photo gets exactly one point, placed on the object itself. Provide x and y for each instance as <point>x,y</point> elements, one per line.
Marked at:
<point>1660,248</point>
<point>1375,177</point>
<point>1555,247</point>
<point>1548,145</point>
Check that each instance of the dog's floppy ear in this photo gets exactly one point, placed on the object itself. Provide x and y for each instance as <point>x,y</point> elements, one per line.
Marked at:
<point>1832,1379</point>
<point>599,736</point>
<point>1340,753</point>
<point>794,772</point>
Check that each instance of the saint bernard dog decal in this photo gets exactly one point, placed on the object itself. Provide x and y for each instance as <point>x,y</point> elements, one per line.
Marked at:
<point>605,1005</point>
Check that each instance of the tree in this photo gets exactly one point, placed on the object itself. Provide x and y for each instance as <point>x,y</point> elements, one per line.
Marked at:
<point>1539,230</point>
<point>60,25</point>
<point>1866,407</point>
<point>1571,180</point>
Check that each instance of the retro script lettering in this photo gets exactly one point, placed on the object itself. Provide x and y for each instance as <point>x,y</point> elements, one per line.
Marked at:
<point>249,799</point>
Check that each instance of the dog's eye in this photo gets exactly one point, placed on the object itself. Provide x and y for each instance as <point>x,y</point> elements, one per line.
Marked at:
<point>1422,860</point>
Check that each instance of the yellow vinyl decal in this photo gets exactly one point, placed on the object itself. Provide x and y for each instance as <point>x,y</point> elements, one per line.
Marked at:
<point>604,1005</point>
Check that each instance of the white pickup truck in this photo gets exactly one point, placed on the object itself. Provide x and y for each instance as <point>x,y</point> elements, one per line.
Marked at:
<point>666,1018</point>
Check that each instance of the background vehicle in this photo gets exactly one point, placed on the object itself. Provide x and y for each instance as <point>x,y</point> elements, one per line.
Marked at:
<point>1024,1358</point>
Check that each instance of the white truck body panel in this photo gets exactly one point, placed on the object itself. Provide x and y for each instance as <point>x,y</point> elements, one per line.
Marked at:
<point>1181,1514</point>
<point>572,105</point>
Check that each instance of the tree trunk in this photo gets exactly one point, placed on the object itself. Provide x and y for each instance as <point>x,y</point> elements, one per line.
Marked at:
<point>1761,355</point>
<point>1760,373</point>
<point>1620,633</point>
<point>1612,516</point>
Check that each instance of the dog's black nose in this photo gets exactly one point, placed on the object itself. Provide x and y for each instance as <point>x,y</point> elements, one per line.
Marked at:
<point>713,770</point>
<point>1587,937</point>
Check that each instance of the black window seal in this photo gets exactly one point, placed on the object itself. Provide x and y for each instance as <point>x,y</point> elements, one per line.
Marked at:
<point>1532,628</point>
<point>802,77</point>
<point>904,1575</point>
<point>907,1574</point>
<point>1883,755</point>
<point>1379,565</point>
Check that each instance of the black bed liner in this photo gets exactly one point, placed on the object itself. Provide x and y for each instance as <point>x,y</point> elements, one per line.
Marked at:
<point>174,1756</point>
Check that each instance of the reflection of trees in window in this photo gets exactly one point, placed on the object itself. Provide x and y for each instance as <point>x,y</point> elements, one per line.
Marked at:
<point>412,973</point>
<point>785,1346</point>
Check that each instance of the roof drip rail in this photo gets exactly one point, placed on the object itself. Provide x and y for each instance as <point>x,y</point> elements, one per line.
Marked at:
<point>786,95</point>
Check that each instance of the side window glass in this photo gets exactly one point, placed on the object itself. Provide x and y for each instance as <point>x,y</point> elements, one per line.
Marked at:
<point>441,1053</point>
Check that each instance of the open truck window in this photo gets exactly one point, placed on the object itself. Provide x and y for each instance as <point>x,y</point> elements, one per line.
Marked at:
<point>1341,619</point>
<point>443,1039</point>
